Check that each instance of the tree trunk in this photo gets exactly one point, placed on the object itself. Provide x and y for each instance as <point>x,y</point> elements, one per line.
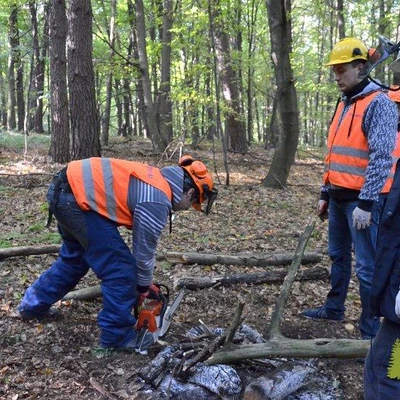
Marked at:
<point>281,42</point>
<point>149,112</point>
<point>85,124</point>
<point>60,141</point>
<point>105,126</point>
<point>164,104</point>
<point>13,42</point>
<point>234,119</point>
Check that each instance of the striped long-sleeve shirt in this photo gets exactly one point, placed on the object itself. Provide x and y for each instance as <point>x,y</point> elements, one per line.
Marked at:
<point>151,208</point>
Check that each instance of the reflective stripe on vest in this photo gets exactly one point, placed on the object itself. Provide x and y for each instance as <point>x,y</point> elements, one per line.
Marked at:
<point>102,185</point>
<point>347,159</point>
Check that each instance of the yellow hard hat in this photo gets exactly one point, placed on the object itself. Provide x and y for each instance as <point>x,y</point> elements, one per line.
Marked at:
<point>394,93</point>
<point>347,50</point>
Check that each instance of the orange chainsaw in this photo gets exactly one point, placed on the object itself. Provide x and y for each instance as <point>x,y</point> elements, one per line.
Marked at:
<point>155,316</point>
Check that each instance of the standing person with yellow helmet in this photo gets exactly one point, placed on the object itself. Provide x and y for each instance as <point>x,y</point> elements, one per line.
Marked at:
<point>382,364</point>
<point>357,177</point>
<point>90,198</point>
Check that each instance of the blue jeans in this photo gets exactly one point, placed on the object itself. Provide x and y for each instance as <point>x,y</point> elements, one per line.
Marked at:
<point>377,385</point>
<point>342,236</point>
<point>89,241</point>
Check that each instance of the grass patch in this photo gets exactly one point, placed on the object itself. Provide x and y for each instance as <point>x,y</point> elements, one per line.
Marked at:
<point>16,141</point>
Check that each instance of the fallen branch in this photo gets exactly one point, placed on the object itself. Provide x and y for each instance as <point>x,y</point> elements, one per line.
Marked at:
<point>273,329</point>
<point>296,348</point>
<point>194,283</point>
<point>276,276</point>
<point>89,293</point>
<point>255,260</point>
<point>235,324</point>
<point>280,346</point>
<point>28,251</point>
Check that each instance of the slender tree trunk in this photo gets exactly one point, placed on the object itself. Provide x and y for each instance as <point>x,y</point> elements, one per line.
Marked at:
<point>234,120</point>
<point>288,127</point>
<point>149,112</point>
<point>85,124</point>
<point>13,43</point>
<point>105,126</point>
<point>40,73</point>
<point>60,140</point>
<point>164,104</point>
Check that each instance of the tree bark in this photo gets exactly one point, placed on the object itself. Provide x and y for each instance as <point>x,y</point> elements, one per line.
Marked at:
<point>149,112</point>
<point>105,125</point>
<point>85,124</point>
<point>13,42</point>
<point>234,119</point>
<point>60,142</point>
<point>164,104</point>
<point>279,14</point>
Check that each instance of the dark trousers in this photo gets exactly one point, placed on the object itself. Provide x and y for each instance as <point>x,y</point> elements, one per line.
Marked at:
<point>89,241</point>
<point>377,385</point>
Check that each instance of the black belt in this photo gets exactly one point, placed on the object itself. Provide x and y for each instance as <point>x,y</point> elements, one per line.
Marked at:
<point>61,184</point>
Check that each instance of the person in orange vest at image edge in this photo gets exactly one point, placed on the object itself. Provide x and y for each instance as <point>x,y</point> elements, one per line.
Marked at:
<point>358,174</point>
<point>90,198</point>
<point>382,364</point>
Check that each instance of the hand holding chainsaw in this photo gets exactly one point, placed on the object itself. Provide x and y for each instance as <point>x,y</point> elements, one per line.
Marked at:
<point>153,293</point>
<point>154,316</point>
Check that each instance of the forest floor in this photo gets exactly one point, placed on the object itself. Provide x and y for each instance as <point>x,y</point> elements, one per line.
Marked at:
<point>57,360</point>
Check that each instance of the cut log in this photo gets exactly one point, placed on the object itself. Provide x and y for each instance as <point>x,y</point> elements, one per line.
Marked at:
<point>255,260</point>
<point>296,348</point>
<point>89,293</point>
<point>28,251</point>
<point>193,283</point>
<point>276,276</point>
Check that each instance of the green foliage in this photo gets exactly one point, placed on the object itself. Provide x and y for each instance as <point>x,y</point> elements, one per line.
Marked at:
<point>36,235</point>
<point>314,31</point>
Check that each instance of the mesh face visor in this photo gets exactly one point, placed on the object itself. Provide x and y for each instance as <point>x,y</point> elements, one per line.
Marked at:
<point>210,196</point>
<point>375,56</point>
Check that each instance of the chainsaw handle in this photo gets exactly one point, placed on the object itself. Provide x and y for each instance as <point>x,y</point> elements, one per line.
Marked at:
<point>164,300</point>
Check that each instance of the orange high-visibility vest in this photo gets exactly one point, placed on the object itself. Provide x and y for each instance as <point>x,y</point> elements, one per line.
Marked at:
<point>102,184</point>
<point>347,158</point>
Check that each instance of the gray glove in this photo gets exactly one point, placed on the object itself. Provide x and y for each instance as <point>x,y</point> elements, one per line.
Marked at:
<point>361,218</point>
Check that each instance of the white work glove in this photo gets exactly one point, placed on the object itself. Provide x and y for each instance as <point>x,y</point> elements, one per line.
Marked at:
<point>397,305</point>
<point>361,218</point>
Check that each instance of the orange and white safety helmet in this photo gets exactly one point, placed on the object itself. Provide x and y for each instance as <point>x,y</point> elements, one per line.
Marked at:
<point>202,180</point>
